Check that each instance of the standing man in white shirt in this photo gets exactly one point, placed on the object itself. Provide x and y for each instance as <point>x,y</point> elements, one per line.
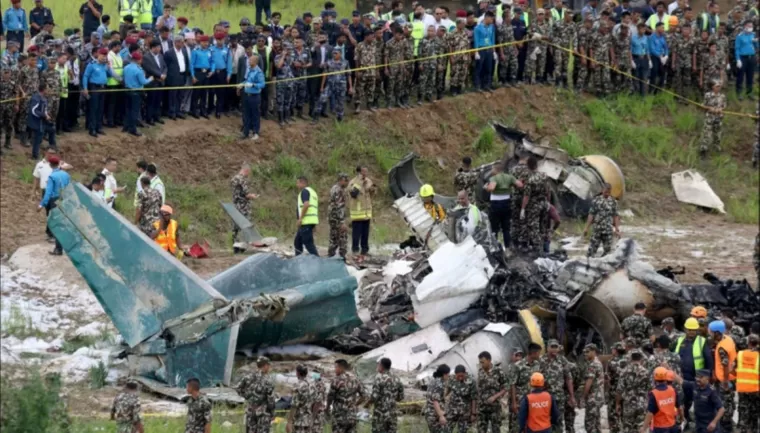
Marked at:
<point>156,182</point>
<point>112,189</point>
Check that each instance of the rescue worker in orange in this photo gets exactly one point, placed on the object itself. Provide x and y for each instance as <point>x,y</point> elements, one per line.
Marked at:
<point>166,232</point>
<point>538,410</point>
<point>748,385</point>
<point>724,378</point>
<point>664,409</point>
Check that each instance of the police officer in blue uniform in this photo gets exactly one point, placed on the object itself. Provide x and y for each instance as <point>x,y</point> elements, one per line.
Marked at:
<point>708,408</point>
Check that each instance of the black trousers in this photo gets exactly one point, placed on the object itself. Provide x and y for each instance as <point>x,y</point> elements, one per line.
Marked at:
<point>72,106</point>
<point>264,102</point>
<point>16,35</point>
<point>305,240</point>
<point>114,102</point>
<point>60,119</point>
<point>657,74</point>
<point>312,86</point>
<point>360,236</point>
<point>175,102</point>
<point>745,75</point>
<point>95,108</point>
<point>218,79</point>
<point>263,6</point>
<point>153,104</point>
<point>500,217</point>
<point>231,98</point>
<point>134,100</point>
<point>49,208</point>
<point>200,96</point>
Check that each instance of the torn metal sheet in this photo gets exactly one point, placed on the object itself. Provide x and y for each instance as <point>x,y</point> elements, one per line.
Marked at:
<point>403,180</point>
<point>248,231</point>
<point>460,273</point>
<point>552,169</point>
<point>411,353</point>
<point>217,394</point>
<point>422,224</point>
<point>597,314</point>
<point>690,187</point>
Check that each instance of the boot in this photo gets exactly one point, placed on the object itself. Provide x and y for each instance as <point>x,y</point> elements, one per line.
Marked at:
<point>7,141</point>
<point>24,139</point>
<point>357,108</point>
<point>281,118</point>
<point>300,114</point>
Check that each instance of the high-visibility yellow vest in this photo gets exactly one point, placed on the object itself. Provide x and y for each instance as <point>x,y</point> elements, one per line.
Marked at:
<point>558,16</point>
<point>63,71</point>
<point>705,20</point>
<point>477,214</point>
<point>748,371</point>
<point>387,16</point>
<point>696,350</point>
<point>167,239</point>
<point>126,9</point>
<point>418,32</point>
<point>654,19</point>
<point>117,65</point>
<point>268,51</point>
<point>312,213</point>
<point>146,11</point>
<point>526,19</point>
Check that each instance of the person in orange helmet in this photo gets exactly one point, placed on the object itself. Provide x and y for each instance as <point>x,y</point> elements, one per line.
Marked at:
<point>538,409</point>
<point>664,408</point>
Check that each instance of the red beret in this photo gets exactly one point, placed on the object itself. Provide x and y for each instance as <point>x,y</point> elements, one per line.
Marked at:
<point>182,20</point>
<point>136,55</point>
<point>131,40</point>
<point>33,49</point>
<point>203,38</point>
<point>219,35</point>
<point>141,34</point>
<point>54,159</point>
<point>103,51</point>
<point>461,13</point>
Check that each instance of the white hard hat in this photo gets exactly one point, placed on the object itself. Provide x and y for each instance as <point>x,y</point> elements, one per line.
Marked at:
<point>506,2</point>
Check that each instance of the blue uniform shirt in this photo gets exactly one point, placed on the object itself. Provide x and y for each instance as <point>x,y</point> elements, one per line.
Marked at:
<point>639,45</point>
<point>256,77</point>
<point>484,35</point>
<point>15,20</point>
<point>706,405</point>
<point>658,46</point>
<point>124,53</point>
<point>96,73</point>
<point>201,59</point>
<point>134,76</point>
<point>57,181</point>
<point>222,59</point>
<point>745,45</point>
<point>40,16</point>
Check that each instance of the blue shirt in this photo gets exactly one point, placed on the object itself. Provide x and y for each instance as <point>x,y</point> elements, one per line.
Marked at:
<point>222,59</point>
<point>706,405</point>
<point>158,8</point>
<point>256,77</point>
<point>201,59</point>
<point>639,45</point>
<point>40,16</point>
<point>96,73</point>
<point>57,181</point>
<point>484,35</point>
<point>102,29</point>
<point>41,63</point>
<point>658,46</point>
<point>15,20</point>
<point>745,46</point>
<point>124,53</point>
<point>134,76</point>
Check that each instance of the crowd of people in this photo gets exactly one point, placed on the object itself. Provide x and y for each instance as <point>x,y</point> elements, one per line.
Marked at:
<point>154,66</point>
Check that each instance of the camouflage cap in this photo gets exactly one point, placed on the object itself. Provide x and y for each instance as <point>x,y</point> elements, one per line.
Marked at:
<point>262,360</point>
<point>589,347</point>
<point>519,351</point>
<point>630,341</point>
<point>342,176</point>
<point>636,351</point>
<point>668,321</point>
<point>552,342</point>
<point>618,346</point>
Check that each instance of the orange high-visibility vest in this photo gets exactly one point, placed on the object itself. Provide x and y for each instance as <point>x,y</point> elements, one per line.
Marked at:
<point>666,405</point>
<point>539,411</point>
<point>748,371</point>
<point>727,344</point>
<point>167,239</point>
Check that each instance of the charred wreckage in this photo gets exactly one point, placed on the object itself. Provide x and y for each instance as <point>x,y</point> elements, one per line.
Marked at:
<point>424,306</point>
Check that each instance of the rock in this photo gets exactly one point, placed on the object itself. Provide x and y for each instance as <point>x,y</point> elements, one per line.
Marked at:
<point>227,424</point>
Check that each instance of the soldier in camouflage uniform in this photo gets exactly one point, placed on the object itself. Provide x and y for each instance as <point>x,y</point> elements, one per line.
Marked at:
<point>319,394</point>
<point>492,386</point>
<point>713,67</point>
<point>409,84</point>
<point>466,178</point>
<point>533,208</point>
<point>198,408</point>
<point>300,416</point>
<point>434,399</point>
<point>557,377</point>
<point>593,393</point>
<point>461,408</point>
<point>505,34</point>
<point>631,394</point>
<point>734,331</point>
<point>669,329</point>
<point>564,34</point>
<point>395,51</point>
<point>11,55</point>
<point>346,393</point>
<point>517,227</point>
<point>284,89</point>
<point>615,366</point>
<point>510,372</point>
<point>149,203</point>
<point>603,214</point>
<point>241,196</point>
<point>427,68</point>
<point>601,52</point>
<point>337,218</point>
<point>621,45</point>
<point>381,87</point>
<point>637,325</point>
<point>521,372</point>
<point>540,30</point>
<point>52,78</point>
<point>8,90</point>
<point>257,388</point>
<point>583,44</point>
<point>387,392</point>
<point>569,419</point>
<point>712,128</point>
<point>721,40</point>
<point>301,64</point>
<point>366,57</point>
<point>684,59</point>
<point>459,41</point>
<point>441,49</point>
<point>126,410</point>
<point>334,86</point>
<point>702,46</point>
<point>28,84</point>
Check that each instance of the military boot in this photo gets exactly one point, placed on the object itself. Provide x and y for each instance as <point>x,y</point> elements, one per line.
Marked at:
<point>281,118</point>
<point>7,141</point>
<point>24,139</point>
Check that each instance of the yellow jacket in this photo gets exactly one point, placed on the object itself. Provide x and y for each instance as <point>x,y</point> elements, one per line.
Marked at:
<point>361,205</point>
<point>435,210</point>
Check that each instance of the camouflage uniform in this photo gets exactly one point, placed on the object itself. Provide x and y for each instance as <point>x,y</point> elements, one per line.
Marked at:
<point>622,48</point>
<point>459,407</point>
<point>52,78</point>
<point>684,67</point>
<point>366,55</point>
<point>739,337</point>
<point>387,391</point>
<point>569,418</point>
<point>583,43</point>
<point>319,393</point>
<point>240,191</point>
<point>335,87</point>
<point>380,89</point>
<point>441,48</point>
<point>460,63</point>
<point>726,396</point>
<point>703,50</point>
<point>302,405</point>
<point>428,68</point>
<point>536,61</point>
<point>300,93</point>
<point>126,412</point>
<point>595,399</point>
<point>150,201</point>
<point>337,218</point>
<point>409,84</point>
<point>198,414</point>
<point>8,85</point>
<point>634,385</point>
<point>395,51</point>
<point>284,88</point>
<point>435,392</point>
<point>556,374</point>
<point>28,82</point>
<point>615,367</point>
<point>564,35</point>
<point>505,34</point>
<point>522,371</point>
<point>517,227</point>
<point>713,126</point>
<point>638,327</point>
<point>345,393</point>
<point>600,44</point>
<point>258,391</point>
<point>489,414</point>
<point>535,211</point>
<point>604,210</point>
<point>465,180</point>
<point>712,67</point>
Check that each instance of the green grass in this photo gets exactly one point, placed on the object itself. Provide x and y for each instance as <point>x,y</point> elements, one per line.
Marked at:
<point>66,12</point>
<point>97,375</point>
<point>486,141</point>
<point>19,325</point>
<point>25,175</point>
<point>32,405</point>
<point>572,144</point>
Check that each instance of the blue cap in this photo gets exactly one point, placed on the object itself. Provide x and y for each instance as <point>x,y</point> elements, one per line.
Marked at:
<point>308,15</point>
<point>703,372</point>
<point>224,23</point>
<point>356,14</point>
<point>345,21</point>
<point>717,326</point>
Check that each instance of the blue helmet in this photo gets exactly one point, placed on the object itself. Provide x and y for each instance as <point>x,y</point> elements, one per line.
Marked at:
<point>717,326</point>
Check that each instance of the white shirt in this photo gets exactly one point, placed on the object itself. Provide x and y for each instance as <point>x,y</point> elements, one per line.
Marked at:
<point>446,23</point>
<point>42,171</point>
<point>236,55</point>
<point>671,7</point>
<point>180,60</point>
<point>159,186</point>
<point>111,185</point>
<point>165,45</point>
<point>158,62</point>
<point>428,20</point>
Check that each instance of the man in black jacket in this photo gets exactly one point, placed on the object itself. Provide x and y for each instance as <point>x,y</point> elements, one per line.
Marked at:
<point>154,66</point>
<point>177,61</point>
